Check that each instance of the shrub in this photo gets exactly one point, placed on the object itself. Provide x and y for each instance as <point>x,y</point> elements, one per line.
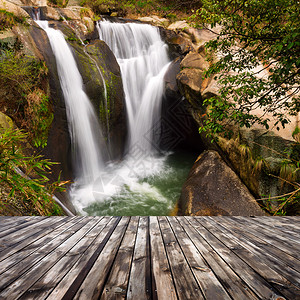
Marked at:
<point>25,178</point>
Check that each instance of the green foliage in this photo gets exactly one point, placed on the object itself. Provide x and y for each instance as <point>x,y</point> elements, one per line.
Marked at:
<point>59,3</point>
<point>32,195</point>
<point>22,98</point>
<point>39,117</point>
<point>8,20</point>
<point>253,33</point>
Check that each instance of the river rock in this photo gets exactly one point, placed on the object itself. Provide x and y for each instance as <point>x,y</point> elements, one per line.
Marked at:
<point>212,188</point>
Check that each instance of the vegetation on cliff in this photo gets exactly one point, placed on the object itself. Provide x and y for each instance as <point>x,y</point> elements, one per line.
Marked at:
<point>24,186</point>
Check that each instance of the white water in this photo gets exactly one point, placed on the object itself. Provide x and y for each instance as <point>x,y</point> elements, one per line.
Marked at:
<point>83,124</point>
<point>143,60</point>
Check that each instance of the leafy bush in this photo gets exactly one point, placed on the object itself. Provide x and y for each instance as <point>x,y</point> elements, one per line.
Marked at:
<point>21,96</point>
<point>25,178</point>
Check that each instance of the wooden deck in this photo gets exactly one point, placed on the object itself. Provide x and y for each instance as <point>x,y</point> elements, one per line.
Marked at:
<point>149,258</point>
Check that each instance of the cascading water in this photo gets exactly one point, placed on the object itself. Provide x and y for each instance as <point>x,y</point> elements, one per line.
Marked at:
<point>83,123</point>
<point>143,59</point>
<point>144,183</point>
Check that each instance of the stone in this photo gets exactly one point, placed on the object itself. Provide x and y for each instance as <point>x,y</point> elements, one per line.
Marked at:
<point>212,189</point>
<point>35,2</point>
<point>179,129</point>
<point>88,22</point>
<point>211,89</point>
<point>179,44</point>
<point>189,82</point>
<point>8,37</point>
<point>155,20</point>
<point>92,60</point>
<point>5,122</point>
<point>13,8</point>
<point>50,13</point>
<point>69,14</point>
<point>179,25</point>
<point>195,60</point>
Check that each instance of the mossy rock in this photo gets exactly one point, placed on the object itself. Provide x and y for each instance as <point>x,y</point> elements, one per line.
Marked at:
<point>5,122</point>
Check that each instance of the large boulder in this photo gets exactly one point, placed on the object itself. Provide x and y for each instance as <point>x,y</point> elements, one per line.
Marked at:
<point>212,188</point>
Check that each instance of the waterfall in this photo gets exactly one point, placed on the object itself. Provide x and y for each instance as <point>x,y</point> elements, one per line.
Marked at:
<point>122,188</point>
<point>83,123</point>
<point>143,59</point>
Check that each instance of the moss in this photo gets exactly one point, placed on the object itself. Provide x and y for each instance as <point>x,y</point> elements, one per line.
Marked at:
<point>8,20</point>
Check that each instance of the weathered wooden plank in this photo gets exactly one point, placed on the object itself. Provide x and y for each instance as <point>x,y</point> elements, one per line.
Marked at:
<point>50,279</point>
<point>209,284</point>
<point>281,262</point>
<point>140,277</point>
<point>257,283</point>
<point>23,265</point>
<point>7,222</point>
<point>234,285</point>
<point>236,243</point>
<point>287,220</point>
<point>38,233</point>
<point>69,285</point>
<point>280,242</point>
<point>185,282</point>
<point>12,229</point>
<point>92,286</point>
<point>288,230</point>
<point>116,285</point>
<point>12,245</point>
<point>22,284</point>
<point>162,282</point>
<point>13,257</point>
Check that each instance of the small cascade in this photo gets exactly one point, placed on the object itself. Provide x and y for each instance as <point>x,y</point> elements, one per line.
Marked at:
<point>83,123</point>
<point>143,59</point>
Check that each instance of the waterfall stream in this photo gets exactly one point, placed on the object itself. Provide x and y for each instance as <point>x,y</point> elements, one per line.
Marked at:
<point>145,182</point>
<point>83,123</point>
<point>143,59</point>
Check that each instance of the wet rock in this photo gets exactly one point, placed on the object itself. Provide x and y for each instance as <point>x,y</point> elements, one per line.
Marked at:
<point>212,188</point>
